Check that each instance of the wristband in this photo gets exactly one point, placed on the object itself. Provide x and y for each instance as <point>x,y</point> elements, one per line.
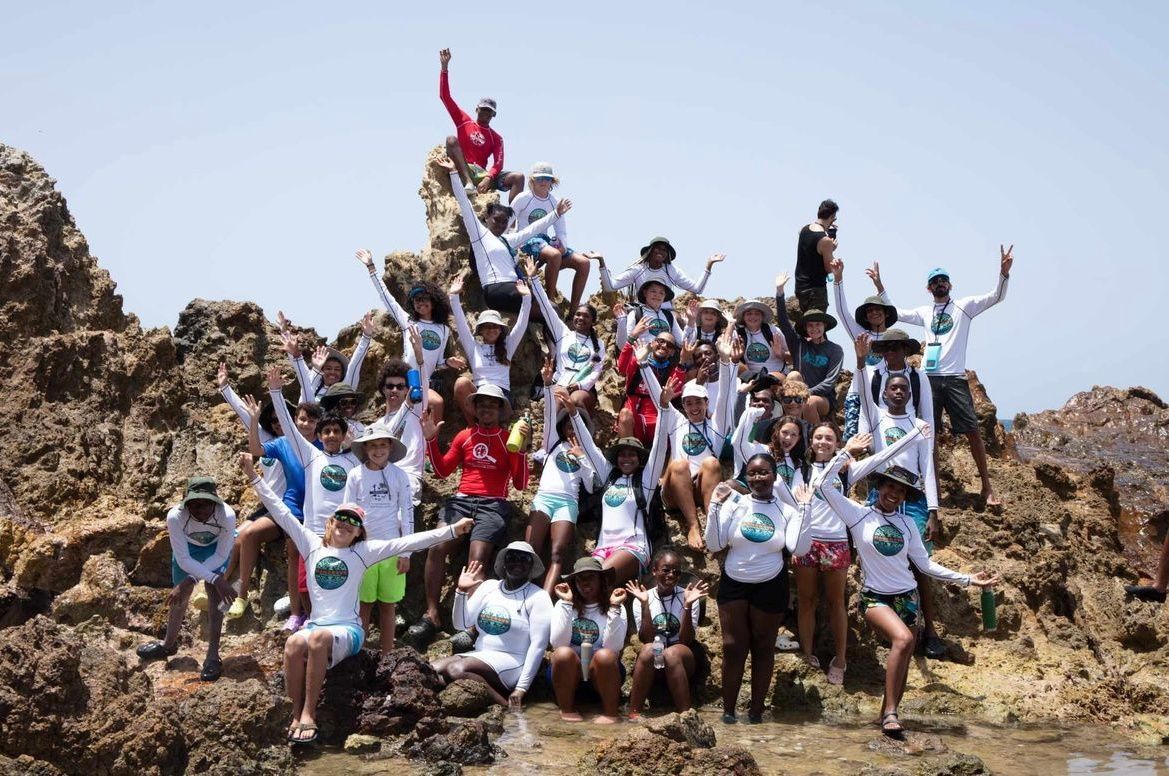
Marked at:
<point>460,593</point>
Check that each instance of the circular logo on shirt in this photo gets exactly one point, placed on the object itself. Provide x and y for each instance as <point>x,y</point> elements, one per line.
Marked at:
<point>616,494</point>
<point>835,484</point>
<point>816,360</point>
<point>333,477</point>
<point>757,352</point>
<point>786,472</point>
<point>942,323</point>
<point>430,340</point>
<point>658,325</point>
<point>267,462</point>
<point>873,359</point>
<point>888,540</point>
<point>584,629</point>
<point>667,623</point>
<point>567,462</point>
<point>578,354</point>
<point>693,443</point>
<point>203,537</point>
<point>757,528</point>
<point>330,573</point>
<point>536,215</point>
<point>494,620</point>
<point>892,434</point>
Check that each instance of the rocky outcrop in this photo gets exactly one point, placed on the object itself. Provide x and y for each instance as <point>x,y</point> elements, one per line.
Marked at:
<point>666,748</point>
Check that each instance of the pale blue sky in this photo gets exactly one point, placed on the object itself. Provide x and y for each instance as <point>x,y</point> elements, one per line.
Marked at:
<point>238,151</point>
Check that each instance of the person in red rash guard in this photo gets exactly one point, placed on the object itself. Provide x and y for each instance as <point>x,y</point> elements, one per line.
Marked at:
<point>639,416</point>
<point>488,468</point>
<point>474,142</point>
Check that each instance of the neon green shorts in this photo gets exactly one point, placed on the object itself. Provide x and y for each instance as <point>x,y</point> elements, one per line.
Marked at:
<point>383,583</point>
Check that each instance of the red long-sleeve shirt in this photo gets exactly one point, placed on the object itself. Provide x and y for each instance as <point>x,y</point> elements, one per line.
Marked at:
<point>479,143</point>
<point>487,464</point>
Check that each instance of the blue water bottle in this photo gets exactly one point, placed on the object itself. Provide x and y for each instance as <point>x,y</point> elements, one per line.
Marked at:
<point>414,380</point>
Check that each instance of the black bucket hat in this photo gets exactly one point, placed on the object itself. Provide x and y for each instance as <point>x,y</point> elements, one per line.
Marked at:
<point>902,476</point>
<point>337,392</point>
<point>875,301</point>
<point>896,338</point>
<point>268,414</point>
<point>631,443</point>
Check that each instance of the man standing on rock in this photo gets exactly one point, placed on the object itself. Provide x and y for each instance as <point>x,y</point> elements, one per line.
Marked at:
<point>475,142</point>
<point>945,353</point>
<point>814,256</point>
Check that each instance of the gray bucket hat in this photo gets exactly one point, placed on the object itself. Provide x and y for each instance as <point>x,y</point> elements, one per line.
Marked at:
<point>378,431</point>
<point>519,546</point>
<point>490,316</point>
<point>489,391</point>
<point>875,301</point>
<point>900,475</point>
<point>752,304</point>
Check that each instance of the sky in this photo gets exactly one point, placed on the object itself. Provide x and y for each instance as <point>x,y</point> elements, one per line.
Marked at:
<point>242,151</point>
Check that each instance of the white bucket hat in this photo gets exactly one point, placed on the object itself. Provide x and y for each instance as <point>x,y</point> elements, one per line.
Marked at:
<point>489,391</point>
<point>543,170</point>
<point>490,316</point>
<point>752,304</point>
<point>694,389</point>
<point>378,431</point>
<point>519,546</point>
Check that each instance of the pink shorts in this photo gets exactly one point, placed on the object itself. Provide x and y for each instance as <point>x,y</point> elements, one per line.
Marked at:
<point>825,556</point>
<point>636,550</point>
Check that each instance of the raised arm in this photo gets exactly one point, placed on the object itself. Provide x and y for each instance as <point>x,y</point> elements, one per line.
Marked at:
<point>305,452</point>
<point>785,325</point>
<point>475,229</point>
<point>541,226</point>
<point>845,319</point>
<point>739,438</point>
<point>617,625</point>
<point>724,410</point>
<point>624,279</point>
<point>684,281</point>
<point>466,607</point>
<point>388,301</point>
<point>380,549</point>
<point>848,510</point>
<point>547,310</point>
<point>353,373</point>
<point>861,469</point>
<point>462,328</point>
<point>595,457</point>
<point>444,89</point>
<point>980,304</point>
<point>920,558</point>
<point>233,400</point>
<point>518,329</point>
<point>563,613</point>
<point>305,540</point>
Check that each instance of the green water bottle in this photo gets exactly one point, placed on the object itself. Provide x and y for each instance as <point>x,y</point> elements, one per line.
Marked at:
<point>990,619</point>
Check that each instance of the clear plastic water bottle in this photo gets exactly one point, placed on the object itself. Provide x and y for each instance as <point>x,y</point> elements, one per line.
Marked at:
<point>659,651</point>
<point>586,657</point>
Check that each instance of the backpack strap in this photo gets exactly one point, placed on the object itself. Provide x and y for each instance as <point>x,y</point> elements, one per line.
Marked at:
<point>915,390</point>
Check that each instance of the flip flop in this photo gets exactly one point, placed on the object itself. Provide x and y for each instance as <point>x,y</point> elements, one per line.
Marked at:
<point>301,728</point>
<point>836,673</point>
<point>891,726</point>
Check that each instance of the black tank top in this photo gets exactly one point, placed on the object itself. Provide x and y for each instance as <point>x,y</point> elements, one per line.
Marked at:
<point>809,263</point>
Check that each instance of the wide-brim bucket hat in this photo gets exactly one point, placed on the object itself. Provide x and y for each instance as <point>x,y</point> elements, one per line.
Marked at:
<point>673,254</point>
<point>902,476</point>
<point>589,564</point>
<point>653,281</point>
<point>489,391</point>
<point>491,316</point>
<point>337,392</point>
<point>812,316</point>
<point>202,489</point>
<point>268,414</point>
<point>875,301</point>
<point>896,338</point>
<point>752,304</point>
<point>630,443</point>
<point>519,546</point>
<point>374,432</point>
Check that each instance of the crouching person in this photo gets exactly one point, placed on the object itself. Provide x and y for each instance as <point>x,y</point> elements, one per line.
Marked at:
<point>335,565</point>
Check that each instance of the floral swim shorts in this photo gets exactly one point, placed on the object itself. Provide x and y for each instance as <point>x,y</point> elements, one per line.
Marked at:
<point>825,556</point>
<point>904,605</point>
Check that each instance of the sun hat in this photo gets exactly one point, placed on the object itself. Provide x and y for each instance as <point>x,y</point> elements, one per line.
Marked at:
<point>875,301</point>
<point>202,489</point>
<point>337,392</point>
<point>489,391</point>
<point>713,306</point>
<point>337,355</point>
<point>692,388</point>
<point>752,304</point>
<point>350,513</point>
<point>630,443</point>
<point>543,170</point>
<point>490,316</point>
<point>817,315</point>
<point>519,546</point>
<point>489,103</point>
<point>378,431</point>
<point>896,338</point>
<point>937,272</point>
<point>585,565</point>
<point>641,290</point>
<point>902,476</point>
<point>673,254</point>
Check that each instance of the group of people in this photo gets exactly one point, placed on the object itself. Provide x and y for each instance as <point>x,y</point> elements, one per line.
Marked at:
<point>728,426</point>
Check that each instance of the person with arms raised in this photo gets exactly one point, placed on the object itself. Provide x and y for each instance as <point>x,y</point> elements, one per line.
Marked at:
<point>577,352</point>
<point>817,358</point>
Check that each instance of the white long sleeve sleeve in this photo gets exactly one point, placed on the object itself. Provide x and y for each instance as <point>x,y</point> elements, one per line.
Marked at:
<point>353,372</point>
<point>516,333</point>
<point>539,627</point>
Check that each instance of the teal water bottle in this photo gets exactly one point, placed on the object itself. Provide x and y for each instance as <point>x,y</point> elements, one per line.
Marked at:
<point>990,619</point>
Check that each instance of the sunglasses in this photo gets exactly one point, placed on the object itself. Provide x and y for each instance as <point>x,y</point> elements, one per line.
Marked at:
<point>792,400</point>
<point>349,519</point>
<point>347,402</point>
<point>393,386</point>
<point>939,279</point>
<point>517,557</point>
<point>667,343</point>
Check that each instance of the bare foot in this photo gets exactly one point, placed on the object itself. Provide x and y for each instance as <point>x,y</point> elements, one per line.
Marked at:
<point>694,540</point>
<point>992,499</point>
<point>571,716</point>
<point>605,719</point>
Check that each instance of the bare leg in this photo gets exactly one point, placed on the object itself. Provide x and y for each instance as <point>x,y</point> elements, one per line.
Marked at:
<point>584,400</point>
<point>214,623</point>
<point>563,541</point>
<point>514,183</point>
<point>709,475</point>
<point>733,617</point>
<point>387,620</point>
<point>815,409</point>
<point>625,567</point>
<point>678,492</point>
<point>606,678</point>
<point>551,258</point>
<point>458,667</point>
<point>886,622</point>
<point>464,387</point>
<point>565,681</point>
<point>320,648</point>
<point>254,535</point>
<point>580,267</point>
<point>978,449</point>
<point>482,552</point>
<point>436,404</point>
<point>764,629</point>
<point>643,679</point>
<point>295,655</point>
<point>679,669</point>
<point>1162,579</point>
<point>807,592</point>
<point>536,534</point>
<point>926,592</point>
<point>456,155</point>
<point>834,592</point>
<point>432,576</point>
<point>175,617</point>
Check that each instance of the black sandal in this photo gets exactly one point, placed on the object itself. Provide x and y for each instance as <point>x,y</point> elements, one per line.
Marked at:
<point>212,670</point>
<point>300,728</point>
<point>155,650</point>
<point>420,634</point>
<point>887,726</point>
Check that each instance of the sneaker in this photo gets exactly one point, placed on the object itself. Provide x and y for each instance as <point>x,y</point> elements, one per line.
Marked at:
<point>462,642</point>
<point>295,622</point>
<point>155,650</point>
<point>282,606</point>
<point>199,597</point>
<point>935,648</point>
<point>238,607</point>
